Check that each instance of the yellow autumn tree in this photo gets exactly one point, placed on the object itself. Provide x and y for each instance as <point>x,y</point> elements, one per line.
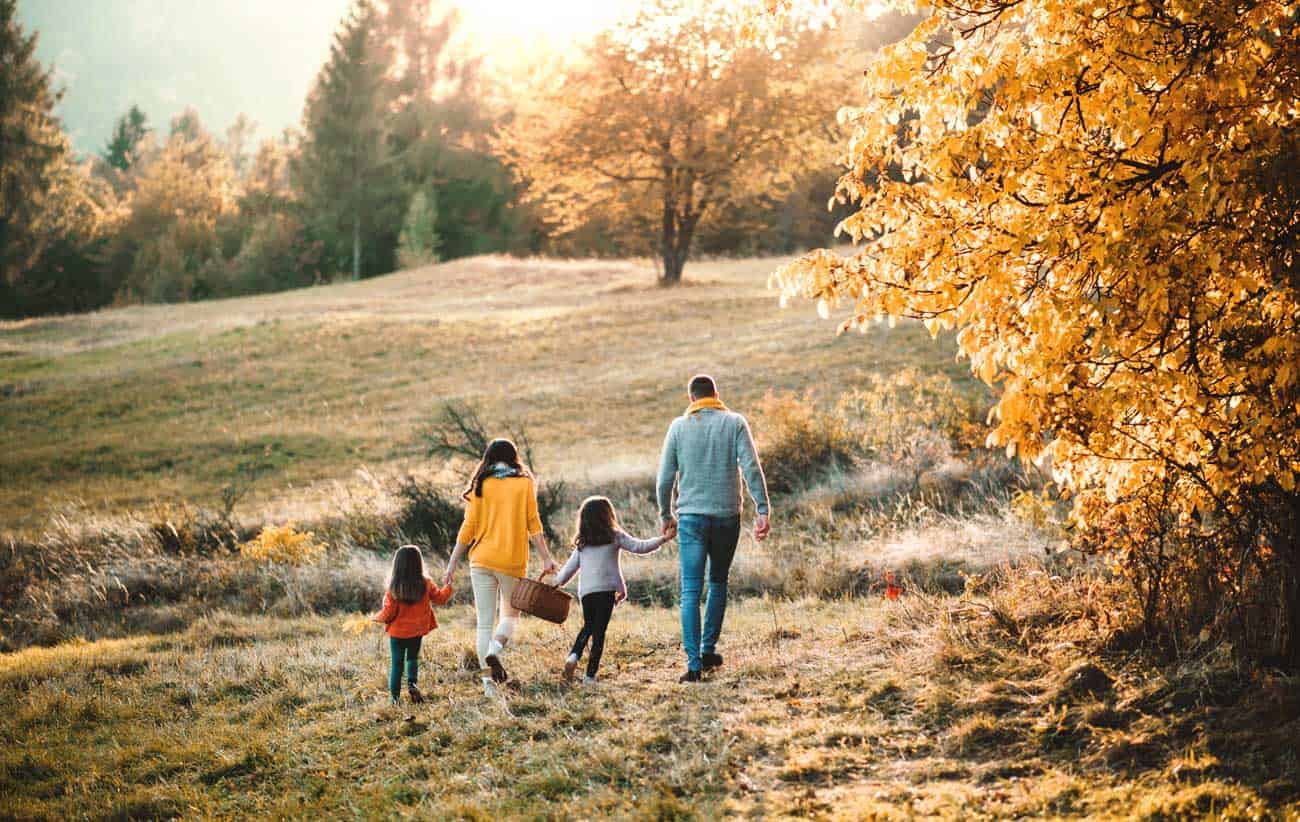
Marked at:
<point>1101,199</point>
<point>672,115</point>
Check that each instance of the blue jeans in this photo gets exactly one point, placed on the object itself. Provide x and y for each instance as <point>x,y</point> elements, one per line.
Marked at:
<point>704,539</point>
<point>403,651</point>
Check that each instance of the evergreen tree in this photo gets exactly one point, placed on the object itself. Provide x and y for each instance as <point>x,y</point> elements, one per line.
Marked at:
<point>131,128</point>
<point>344,175</point>
<point>32,145</point>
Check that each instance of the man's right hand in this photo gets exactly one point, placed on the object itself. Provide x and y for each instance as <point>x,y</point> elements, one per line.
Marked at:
<point>762,527</point>
<point>669,528</point>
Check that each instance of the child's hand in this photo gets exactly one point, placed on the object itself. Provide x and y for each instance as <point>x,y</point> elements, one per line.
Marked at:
<point>670,533</point>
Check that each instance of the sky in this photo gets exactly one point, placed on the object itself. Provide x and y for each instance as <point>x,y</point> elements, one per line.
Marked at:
<point>256,57</point>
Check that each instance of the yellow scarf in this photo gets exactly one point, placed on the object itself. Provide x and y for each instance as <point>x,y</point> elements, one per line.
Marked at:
<point>706,402</point>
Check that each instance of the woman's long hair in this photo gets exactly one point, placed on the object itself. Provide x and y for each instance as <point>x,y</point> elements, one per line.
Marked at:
<point>596,524</point>
<point>406,581</point>
<point>497,451</point>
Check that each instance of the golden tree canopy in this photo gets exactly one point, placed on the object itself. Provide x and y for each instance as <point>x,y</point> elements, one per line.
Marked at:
<point>1101,199</point>
<point>670,115</point>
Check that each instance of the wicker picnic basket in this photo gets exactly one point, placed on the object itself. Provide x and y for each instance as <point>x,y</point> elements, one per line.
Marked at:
<point>541,600</point>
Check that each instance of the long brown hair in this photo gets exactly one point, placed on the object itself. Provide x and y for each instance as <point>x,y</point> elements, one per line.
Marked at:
<point>597,523</point>
<point>500,450</point>
<point>406,581</point>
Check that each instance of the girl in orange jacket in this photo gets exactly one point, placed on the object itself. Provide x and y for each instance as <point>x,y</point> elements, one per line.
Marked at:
<point>408,615</point>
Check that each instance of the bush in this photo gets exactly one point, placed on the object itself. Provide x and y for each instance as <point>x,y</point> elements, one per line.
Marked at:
<point>912,422</point>
<point>428,515</point>
<point>460,434</point>
<point>283,545</point>
<point>182,530</point>
<point>800,441</point>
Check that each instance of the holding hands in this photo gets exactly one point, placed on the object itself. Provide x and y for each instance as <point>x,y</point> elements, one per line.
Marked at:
<point>669,529</point>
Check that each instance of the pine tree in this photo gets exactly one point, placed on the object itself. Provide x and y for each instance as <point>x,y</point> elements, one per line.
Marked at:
<point>131,128</point>
<point>344,175</point>
<point>32,145</point>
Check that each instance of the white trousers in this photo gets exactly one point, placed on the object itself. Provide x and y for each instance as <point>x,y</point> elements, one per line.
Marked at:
<point>492,590</point>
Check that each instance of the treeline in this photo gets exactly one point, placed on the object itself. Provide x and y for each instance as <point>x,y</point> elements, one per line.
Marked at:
<point>395,164</point>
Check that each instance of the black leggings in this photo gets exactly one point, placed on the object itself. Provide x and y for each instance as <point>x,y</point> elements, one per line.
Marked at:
<point>596,611</point>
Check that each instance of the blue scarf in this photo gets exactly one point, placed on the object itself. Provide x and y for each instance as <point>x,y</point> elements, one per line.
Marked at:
<point>500,470</point>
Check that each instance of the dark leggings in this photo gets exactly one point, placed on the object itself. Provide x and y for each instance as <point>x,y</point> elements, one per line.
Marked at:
<point>596,611</point>
<point>403,650</point>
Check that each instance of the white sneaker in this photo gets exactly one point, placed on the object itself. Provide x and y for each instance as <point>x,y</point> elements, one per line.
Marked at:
<point>588,681</point>
<point>570,665</point>
<point>489,688</point>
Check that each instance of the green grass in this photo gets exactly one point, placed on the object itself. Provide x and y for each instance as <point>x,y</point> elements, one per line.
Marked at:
<point>849,709</point>
<point>123,407</point>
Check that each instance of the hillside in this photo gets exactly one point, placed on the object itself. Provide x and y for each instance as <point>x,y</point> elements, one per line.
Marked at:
<point>125,407</point>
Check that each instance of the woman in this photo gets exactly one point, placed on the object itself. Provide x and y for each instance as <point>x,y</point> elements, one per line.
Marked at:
<point>501,519</point>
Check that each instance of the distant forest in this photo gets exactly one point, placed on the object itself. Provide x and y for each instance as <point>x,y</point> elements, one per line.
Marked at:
<point>397,162</point>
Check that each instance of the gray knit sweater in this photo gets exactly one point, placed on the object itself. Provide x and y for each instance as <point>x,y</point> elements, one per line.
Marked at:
<point>600,564</point>
<point>705,453</point>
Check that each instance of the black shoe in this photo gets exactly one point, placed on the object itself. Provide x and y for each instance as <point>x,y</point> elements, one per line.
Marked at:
<point>712,661</point>
<point>414,693</point>
<point>498,670</point>
<point>690,676</point>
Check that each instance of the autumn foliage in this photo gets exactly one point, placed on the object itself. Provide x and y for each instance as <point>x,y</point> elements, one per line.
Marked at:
<point>1101,200</point>
<point>670,118</point>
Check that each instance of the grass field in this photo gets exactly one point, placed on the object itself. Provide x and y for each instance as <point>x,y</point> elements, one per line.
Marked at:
<point>849,709</point>
<point>153,677</point>
<point>124,407</point>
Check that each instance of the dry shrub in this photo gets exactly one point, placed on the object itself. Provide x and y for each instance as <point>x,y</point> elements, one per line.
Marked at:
<point>801,440</point>
<point>913,422</point>
<point>459,434</point>
<point>428,514</point>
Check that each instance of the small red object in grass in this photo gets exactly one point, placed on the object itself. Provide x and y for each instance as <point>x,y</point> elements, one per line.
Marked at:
<point>891,587</point>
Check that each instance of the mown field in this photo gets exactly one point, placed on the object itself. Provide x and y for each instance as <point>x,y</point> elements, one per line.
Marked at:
<point>304,389</point>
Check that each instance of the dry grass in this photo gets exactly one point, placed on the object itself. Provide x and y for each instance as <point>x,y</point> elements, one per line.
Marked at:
<point>316,391</point>
<point>851,709</point>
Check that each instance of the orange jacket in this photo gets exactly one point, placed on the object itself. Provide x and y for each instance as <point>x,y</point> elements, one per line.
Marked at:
<point>411,619</point>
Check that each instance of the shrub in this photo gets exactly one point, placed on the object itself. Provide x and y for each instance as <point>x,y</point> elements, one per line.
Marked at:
<point>910,420</point>
<point>182,530</point>
<point>800,440</point>
<point>427,514</point>
<point>459,433</point>
<point>283,545</point>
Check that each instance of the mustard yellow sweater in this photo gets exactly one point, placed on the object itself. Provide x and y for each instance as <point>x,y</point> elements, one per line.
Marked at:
<point>499,523</point>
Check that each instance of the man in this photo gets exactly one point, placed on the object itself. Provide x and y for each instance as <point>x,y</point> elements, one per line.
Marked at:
<point>705,452</point>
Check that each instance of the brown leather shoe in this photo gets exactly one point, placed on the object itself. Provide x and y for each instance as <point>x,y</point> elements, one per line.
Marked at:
<point>415,695</point>
<point>690,676</point>
<point>498,670</point>
<point>711,661</point>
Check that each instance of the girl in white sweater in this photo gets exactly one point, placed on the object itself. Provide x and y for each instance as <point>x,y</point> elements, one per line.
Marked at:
<point>597,546</point>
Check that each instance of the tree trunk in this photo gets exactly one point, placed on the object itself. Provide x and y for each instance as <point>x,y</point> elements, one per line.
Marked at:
<point>675,244</point>
<point>356,245</point>
<point>672,274</point>
<point>673,266</point>
<point>1289,548</point>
